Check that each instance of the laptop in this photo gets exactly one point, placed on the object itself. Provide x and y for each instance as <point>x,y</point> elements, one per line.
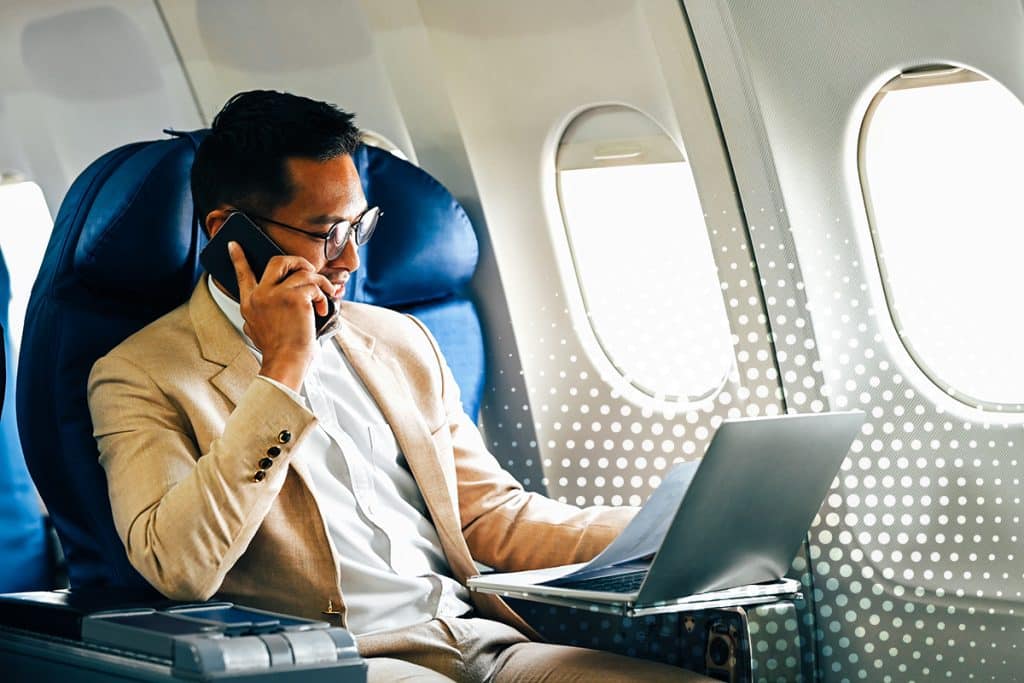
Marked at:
<point>720,530</point>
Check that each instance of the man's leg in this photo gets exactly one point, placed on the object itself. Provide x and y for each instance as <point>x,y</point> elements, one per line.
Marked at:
<point>481,650</point>
<point>501,654</point>
<point>387,670</point>
<point>536,662</point>
<point>427,647</point>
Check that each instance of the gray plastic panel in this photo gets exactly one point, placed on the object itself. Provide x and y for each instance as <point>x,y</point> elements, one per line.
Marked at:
<point>31,657</point>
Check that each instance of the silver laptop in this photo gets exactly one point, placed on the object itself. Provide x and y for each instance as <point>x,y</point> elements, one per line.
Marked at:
<point>721,530</point>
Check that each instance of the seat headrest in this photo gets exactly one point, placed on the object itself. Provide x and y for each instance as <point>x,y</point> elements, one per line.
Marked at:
<point>132,244</point>
<point>136,234</point>
<point>125,232</point>
<point>424,249</point>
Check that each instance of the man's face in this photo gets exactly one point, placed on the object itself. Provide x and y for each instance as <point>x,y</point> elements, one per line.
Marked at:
<point>324,192</point>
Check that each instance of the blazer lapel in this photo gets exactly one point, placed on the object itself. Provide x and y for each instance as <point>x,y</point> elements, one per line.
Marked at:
<point>221,344</point>
<point>382,376</point>
<point>380,372</point>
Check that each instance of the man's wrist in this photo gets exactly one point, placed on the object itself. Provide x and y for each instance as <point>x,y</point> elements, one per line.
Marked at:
<point>294,395</point>
<point>288,371</point>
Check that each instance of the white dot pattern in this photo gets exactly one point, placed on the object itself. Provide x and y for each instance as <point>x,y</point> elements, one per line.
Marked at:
<point>566,430</point>
<point>912,556</point>
<point>912,571</point>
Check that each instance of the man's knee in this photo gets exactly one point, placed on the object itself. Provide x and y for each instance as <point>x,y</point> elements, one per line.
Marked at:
<point>541,661</point>
<point>388,670</point>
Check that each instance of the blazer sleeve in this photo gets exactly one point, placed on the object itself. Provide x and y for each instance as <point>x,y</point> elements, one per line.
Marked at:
<point>185,517</point>
<point>505,526</point>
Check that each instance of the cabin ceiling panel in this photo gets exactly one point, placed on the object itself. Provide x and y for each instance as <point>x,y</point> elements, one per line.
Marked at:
<point>80,78</point>
<point>322,49</point>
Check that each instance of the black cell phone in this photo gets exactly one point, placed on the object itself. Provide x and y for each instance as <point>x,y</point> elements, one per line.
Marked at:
<point>258,250</point>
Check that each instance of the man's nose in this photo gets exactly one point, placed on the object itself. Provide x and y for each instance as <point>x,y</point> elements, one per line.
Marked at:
<point>348,259</point>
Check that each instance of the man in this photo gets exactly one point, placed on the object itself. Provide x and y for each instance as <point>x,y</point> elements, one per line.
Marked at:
<point>335,477</point>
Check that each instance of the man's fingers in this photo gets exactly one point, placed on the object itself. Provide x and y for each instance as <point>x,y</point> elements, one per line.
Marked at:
<point>246,280</point>
<point>320,305</point>
<point>280,267</point>
<point>306,279</point>
<point>311,294</point>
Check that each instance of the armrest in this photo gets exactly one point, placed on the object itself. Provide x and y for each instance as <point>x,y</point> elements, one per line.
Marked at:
<point>58,634</point>
<point>60,613</point>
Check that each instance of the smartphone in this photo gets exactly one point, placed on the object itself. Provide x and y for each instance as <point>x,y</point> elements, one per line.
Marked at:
<point>258,250</point>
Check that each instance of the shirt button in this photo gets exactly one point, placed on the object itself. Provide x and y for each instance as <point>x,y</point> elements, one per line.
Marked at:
<point>273,451</point>
<point>266,464</point>
<point>259,476</point>
<point>285,436</point>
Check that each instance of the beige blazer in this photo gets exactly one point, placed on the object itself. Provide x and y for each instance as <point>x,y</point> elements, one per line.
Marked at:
<point>182,427</point>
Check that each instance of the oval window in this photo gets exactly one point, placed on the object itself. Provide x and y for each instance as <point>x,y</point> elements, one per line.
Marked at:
<point>26,226</point>
<point>641,254</point>
<point>941,167</point>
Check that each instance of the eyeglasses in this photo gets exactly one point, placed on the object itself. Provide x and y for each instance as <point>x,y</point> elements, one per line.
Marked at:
<point>338,236</point>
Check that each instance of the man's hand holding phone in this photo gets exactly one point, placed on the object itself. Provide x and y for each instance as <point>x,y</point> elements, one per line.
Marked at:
<point>278,309</point>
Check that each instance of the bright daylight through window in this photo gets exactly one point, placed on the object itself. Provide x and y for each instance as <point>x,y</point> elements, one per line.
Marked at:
<point>25,226</point>
<point>942,154</point>
<point>642,255</point>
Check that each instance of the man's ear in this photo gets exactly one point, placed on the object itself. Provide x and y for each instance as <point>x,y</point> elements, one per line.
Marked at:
<point>215,219</point>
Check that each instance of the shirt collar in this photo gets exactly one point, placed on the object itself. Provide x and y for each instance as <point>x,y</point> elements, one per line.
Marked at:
<point>229,307</point>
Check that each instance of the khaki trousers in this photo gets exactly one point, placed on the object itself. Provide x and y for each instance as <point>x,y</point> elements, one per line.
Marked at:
<point>480,650</point>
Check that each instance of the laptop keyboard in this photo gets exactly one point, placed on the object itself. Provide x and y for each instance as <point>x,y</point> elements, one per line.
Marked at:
<point>626,582</point>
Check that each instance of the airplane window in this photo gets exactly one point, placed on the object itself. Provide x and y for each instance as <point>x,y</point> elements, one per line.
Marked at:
<point>941,170</point>
<point>25,226</point>
<point>642,255</point>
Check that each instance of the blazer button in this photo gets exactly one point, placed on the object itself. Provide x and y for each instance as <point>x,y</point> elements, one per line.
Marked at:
<point>332,614</point>
<point>285,436</point>
<point>259,476</point>
<point>273,451</point>
<point>266,464</point>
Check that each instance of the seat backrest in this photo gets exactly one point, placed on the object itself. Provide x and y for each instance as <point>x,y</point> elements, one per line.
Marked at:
<point>124,250</point>
<point>24,561</point>
<point>421,260</point>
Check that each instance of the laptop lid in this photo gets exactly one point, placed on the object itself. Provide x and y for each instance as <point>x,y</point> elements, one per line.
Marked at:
<point>750,503</point>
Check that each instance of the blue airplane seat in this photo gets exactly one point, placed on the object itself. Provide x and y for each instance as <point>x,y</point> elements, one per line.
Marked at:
<point>124,250</point>
<point>25,562</point>
<point>421,260</point>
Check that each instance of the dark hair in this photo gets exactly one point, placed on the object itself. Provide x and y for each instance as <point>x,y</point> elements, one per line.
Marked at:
<point>242,161</point>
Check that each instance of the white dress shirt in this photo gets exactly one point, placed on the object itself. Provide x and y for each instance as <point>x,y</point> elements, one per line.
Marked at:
<point>393,570</point>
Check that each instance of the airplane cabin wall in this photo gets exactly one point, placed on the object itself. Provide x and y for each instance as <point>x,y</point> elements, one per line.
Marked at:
<point>916,552</point>
<point>517,75</point>
<point>77,79</point>
<point>319,48</point>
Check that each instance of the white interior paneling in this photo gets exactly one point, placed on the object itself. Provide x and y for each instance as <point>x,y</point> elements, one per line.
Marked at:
<point>916,551</point>
<point>515,82</point>
<point>322,49</point>
<point>78,79</point>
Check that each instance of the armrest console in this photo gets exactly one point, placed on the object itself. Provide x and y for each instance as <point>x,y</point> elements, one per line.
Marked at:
<point>112,635</point>
<point>60,613</point>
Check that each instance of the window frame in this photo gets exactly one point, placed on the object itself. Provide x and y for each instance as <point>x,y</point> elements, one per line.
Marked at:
<point>930,75</point>
<point>645,393</point>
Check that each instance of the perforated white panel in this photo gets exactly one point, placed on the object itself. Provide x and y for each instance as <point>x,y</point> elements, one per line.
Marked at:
<point>915,555</point>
